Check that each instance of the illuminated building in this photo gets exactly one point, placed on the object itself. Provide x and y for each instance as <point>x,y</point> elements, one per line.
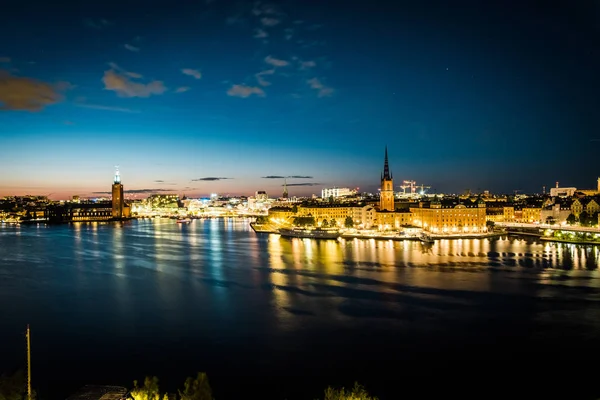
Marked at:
<point>336,192</point>
<point>79,212</point>
<point>118,201</point>
<point>261,195</point>
<point>327,212</point>
<point>562,192</point>
<point>435,217</point>
<point>531,215</point>
<point>386,196</point>
<point>588,205</point>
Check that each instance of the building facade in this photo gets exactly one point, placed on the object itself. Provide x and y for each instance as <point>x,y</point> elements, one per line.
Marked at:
<point>336,192</point>
<point>461,218</point>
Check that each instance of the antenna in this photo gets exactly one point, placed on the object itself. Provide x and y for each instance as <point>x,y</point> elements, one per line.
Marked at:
<point>28,335</point>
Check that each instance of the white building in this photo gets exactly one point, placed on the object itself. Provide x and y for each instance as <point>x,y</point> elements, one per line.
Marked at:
<point>562,192</point>
<point>336,192</point>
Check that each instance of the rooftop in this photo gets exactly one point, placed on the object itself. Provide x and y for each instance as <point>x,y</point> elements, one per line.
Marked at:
<point>95,392</point>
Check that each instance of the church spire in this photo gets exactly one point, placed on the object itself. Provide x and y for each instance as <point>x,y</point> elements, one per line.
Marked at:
<point>285,191</point>
<point>386,168</point>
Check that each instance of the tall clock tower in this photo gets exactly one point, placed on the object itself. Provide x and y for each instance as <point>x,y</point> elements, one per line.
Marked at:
<point>117,196</point>
<point>386,195</point>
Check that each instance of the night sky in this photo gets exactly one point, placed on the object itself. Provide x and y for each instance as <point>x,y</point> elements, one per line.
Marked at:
<point>184,94</point>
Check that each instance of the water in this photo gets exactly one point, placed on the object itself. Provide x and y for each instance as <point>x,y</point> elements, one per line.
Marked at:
<point>284,318</point>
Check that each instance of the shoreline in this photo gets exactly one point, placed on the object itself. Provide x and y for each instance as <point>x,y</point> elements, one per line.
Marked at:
<point>557,240</point>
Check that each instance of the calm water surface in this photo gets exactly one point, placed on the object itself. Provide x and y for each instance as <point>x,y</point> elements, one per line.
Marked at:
<point>283,318</point>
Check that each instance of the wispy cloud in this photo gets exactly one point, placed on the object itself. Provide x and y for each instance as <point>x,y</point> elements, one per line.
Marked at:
<point>276,62</point>
<point>210,179</point>
<point>4,60</point>
<point>182,89</point>
<point>245,91</point>
<point>192,72</point>
<point>265,9</point>
<point>67,122</point>
<point>105,108</point>
<point>304,184</point>
<point>260,34</point>
<point>140,191</point>
<point>269,21</point>
<point>322,90</point>
<point>118,80</point>
<point>28,94</point>
<point>288,177</point>
<point>307,64</point>
<point>131,48</point>
<point>260,77</point>
<point>96,23</point>
<point>289,33</point>
<point>159,181</point>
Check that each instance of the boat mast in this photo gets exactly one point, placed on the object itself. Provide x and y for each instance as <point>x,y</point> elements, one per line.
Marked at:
<point>28,335</point>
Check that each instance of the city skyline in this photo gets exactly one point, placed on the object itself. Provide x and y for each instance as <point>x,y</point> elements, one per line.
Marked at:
<point>217,96</point>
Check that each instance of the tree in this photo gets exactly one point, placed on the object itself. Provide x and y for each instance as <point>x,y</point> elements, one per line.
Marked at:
<point>333,223</point>
<point>331,199</point>
<point>490,225</point>
<point>149,391</point>
<point>295,209</point>
<point>324,224</point>
<point>304,221</point>
<point>196,389</point>
<point>349,223</point>
<point>550,220</point>
<point>358,392</point>
<point>14,387</point>
<point>586,219</point>
<point>571,219</point>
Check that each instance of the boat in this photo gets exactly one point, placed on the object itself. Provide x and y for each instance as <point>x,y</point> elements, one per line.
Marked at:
<point>425,238</point>
<point>316,233</point>
<point>183,220</point>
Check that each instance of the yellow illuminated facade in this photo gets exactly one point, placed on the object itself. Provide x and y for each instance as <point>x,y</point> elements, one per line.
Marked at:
<point>320,213</point>
<point>531,215</point>
<point>458,219</point>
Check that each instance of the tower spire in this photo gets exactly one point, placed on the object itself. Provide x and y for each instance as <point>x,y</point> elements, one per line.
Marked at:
<point>386,167</point>
<point>285,191</point>
<point>117,175</point>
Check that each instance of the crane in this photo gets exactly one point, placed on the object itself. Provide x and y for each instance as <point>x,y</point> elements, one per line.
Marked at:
<point>411,185</point>
<point>423,187</point>
<point>403,187</point>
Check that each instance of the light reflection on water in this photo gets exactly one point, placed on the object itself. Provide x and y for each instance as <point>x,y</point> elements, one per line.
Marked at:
<point>217,286</point>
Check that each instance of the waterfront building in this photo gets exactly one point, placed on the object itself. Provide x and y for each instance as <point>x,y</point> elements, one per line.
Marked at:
<point>531,215</point>
<point>281,214</point>
<point>79,212</point>
<point>364,217</point>
<point>118,201</point>
<point>447,217</point>
<point>327,212</point>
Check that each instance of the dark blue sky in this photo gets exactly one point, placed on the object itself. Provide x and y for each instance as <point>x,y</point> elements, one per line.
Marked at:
<point>479,95</point>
